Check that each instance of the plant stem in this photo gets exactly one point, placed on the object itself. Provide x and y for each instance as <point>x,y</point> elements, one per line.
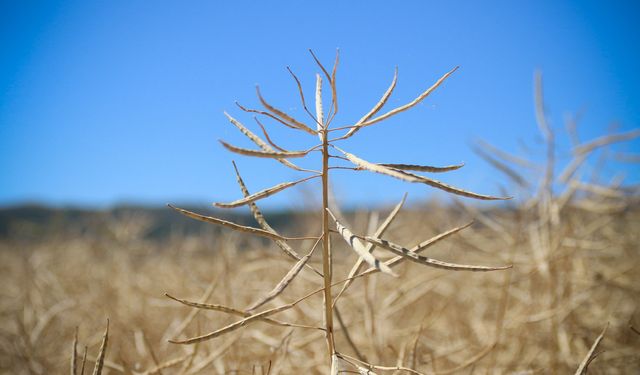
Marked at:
<point>326,250</point>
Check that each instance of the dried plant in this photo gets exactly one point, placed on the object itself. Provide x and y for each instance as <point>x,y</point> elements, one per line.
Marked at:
<point>320,126</point>
<point>78,369</point>
<point>556,222</point>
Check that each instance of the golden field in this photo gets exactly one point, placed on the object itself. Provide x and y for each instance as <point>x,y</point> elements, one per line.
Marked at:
<point>541,316</point>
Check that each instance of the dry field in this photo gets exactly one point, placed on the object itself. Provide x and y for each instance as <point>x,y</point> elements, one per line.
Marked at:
<point>547,283</point>
<point>542,316</point>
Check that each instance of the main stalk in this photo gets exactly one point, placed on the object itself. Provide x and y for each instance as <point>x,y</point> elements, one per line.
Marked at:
<point>326,250</point>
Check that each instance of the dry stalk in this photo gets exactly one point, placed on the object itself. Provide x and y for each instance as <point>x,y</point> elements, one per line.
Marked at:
<point>591,355</point>
<point>100,359</point>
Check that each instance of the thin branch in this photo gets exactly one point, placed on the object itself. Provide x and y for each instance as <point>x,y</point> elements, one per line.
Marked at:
<point>326,73</point>
<point>423,168</point>
<point>259,217</point>
<point>347,336</point>
<point>410,177</point>
<point>370,247</point>
<point>409,105</point>
<point>286,280</point>
<point>267,137</point>
<point>97,370</point>
<point>250,110</point>
<point>607,140</point>
<point>260,143</point>
<point>74,353</point>
<point>246,321</point>
<point>297,124</point>
<point>320,124</point>
<point>377,367</point>
<point>376,108</point>
<point>360,248</point>
<point>238,227</point>
<point>334,89</point>
<point>264,154</point>
<point>263,193</point>
<point>301,93</point>
<point>582,369</point>
<point>414,257</point>
<point>232,311</point>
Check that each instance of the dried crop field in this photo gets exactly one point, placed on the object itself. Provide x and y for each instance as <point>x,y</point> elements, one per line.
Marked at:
<point>546,283</point>
<point>543,314</point>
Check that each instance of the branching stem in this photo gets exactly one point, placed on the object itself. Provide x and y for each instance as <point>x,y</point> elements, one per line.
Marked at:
<point>326,250</point>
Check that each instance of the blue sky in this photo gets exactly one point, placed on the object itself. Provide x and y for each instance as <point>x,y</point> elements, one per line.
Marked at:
<point>122,101</point>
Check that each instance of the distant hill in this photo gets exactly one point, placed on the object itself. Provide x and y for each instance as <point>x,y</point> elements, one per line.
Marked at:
<point>39,223</point>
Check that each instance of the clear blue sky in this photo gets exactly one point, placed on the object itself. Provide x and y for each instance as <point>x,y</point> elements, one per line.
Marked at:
<point>104,102</point>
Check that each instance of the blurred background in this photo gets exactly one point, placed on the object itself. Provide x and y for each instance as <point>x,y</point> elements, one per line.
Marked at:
<point>109,110</point>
